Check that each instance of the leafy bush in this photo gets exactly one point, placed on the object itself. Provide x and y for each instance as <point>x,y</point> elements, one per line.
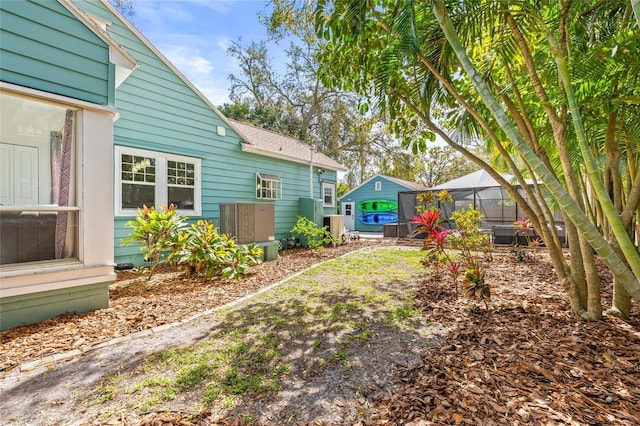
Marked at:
<point>316,236</point>
<point>467,239</point>
<point>166,238</point>
<point>206,251</point>
<point>158,232</point>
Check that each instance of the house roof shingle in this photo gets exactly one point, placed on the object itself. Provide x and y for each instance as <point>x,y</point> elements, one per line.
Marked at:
<point>266,142</point>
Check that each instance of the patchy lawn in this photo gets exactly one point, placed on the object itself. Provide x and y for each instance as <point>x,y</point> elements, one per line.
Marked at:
<point>367,339</point>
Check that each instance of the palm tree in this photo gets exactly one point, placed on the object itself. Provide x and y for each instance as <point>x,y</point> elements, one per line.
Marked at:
<point>406,59</point>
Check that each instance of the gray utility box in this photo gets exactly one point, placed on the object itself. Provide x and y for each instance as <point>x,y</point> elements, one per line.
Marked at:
<point>248,222</point>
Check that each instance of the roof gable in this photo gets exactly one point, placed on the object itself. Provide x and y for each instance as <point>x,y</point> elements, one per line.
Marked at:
<point>106,4</point>
<point>119,56</point>
<point>407,184</point>
<point>410,186</point>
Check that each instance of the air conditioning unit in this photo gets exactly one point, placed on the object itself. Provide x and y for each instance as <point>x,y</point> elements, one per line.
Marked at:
<point>248,222</point>
<point>335,225</point>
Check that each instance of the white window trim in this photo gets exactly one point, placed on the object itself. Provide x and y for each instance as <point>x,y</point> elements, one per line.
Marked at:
<point>378,186</point>
<point>33,277</point>
<point>333,194</point>
<point>270,178</point>
<point>161,186</point>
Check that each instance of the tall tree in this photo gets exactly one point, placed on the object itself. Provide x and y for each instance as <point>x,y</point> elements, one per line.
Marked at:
<point>441,164</point>
<point>515,91</point>
<point>300,105</point>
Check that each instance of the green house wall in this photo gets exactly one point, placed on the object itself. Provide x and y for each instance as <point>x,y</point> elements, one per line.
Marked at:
<point>45,47</point>
<point>160,112</point>
<point>366,191</point>
<point>30,308</point>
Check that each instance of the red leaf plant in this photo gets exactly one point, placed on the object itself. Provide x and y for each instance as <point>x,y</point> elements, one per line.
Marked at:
<point>464,240</point>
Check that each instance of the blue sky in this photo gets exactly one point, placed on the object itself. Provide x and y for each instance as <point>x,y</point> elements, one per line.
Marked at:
<point>195,34</point>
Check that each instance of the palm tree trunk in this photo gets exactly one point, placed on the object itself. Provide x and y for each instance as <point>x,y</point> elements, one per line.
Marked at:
<point>613,217</point>
<point>568,204</point>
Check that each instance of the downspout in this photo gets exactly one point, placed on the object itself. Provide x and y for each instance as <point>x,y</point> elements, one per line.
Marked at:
<point>311,174</point>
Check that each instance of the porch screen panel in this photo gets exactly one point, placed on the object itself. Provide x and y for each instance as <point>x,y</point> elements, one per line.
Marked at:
<point>39,216</point>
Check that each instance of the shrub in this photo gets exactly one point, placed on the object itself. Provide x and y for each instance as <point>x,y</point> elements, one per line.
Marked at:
<point>467,239</point>
<point>158,232</point>
<point>206,251</point>
<point>316,236</point>
<point>166,238</point>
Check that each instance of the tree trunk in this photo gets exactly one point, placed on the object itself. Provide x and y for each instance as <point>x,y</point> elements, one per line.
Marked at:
<point>629,251</point>
<point>568,204</point>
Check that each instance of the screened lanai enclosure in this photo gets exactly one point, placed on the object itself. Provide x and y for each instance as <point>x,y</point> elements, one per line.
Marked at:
<point>480,191</point>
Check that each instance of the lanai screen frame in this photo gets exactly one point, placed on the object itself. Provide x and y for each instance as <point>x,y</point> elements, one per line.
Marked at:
<point>499,210</point>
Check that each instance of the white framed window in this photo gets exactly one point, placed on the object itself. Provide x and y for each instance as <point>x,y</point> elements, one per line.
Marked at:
<point>378,186</point>
<point>268,187</point>
<point>39,210</point>
<point>156,179</point>
<point>328,195</point>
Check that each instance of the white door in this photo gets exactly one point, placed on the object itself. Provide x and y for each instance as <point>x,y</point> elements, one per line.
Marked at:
<point>349,213</point>
<point>19,175</point>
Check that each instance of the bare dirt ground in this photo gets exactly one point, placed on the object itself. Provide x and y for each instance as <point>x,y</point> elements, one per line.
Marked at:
<point>526,361</point>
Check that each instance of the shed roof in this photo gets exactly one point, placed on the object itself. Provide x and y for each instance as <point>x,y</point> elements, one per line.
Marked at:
<point>411,186</point>
<point>272,144</point>
<point>406,183</point>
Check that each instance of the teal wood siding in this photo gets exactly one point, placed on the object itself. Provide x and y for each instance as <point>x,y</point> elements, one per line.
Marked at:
<point>234,180</point>
<point>160,112</point>
<point>28,309</point>
<point>45,47</point>
<point>389,191</point>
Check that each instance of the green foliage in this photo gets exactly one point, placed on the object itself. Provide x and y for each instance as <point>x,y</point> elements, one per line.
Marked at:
<point>166,238</point>
<point>316,236</point>
<point>158,232</point>
<point>341,189</point>
<point>475,287</point>
<point>205,251</point>
<point>267,117</point>
<point>473,244</point>
<point>441,164</point>
<point>468,240</point>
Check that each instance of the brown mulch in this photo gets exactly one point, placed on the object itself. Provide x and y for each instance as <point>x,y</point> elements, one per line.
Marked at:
<point>526,361</point>
<point>136,303</point>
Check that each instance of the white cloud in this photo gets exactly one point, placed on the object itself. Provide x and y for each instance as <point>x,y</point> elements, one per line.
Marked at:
<point>201,71</point>
<point>195,35</point>
<point>187,60</point>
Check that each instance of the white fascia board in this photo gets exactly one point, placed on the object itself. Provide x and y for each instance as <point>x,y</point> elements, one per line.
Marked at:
<point>118,55</point>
